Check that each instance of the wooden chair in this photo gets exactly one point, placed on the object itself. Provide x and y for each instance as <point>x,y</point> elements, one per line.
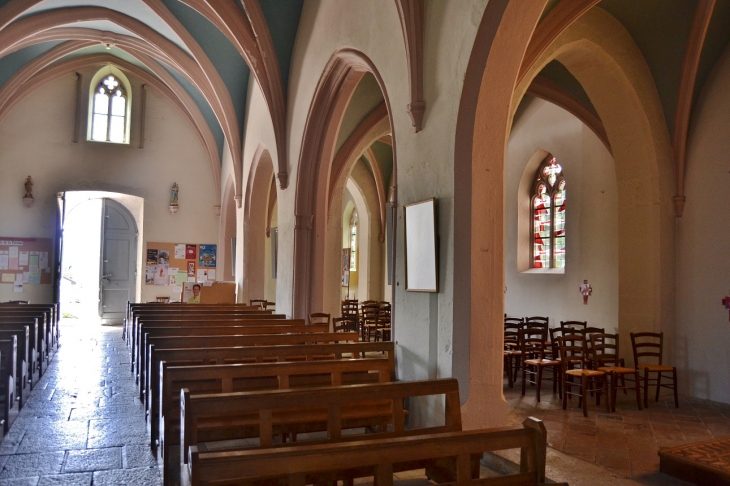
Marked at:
<point>648,346</point>
<point>573,361</point>
<point>316,317</point>
<point>265,305</point>
<point>257,302</point>
<point>382,333</point>
<point>606,358</point>
<point>344,324</point>
<point>350,308</point>
<point>163,300</point>
<point>546,320</point>
<point>512,352</point>
<point>532,345</point>
<point>574,324</point>
<point>369,320</point>
<point>513,320</point>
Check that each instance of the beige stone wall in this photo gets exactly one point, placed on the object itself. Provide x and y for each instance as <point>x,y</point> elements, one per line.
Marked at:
<point>36,137</point>
<point>591,227</point>
<point>703,267</point>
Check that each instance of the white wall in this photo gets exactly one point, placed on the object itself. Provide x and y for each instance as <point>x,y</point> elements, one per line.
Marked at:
<point>703,232</point>
<point>591,224</point>
<point>36,137</point>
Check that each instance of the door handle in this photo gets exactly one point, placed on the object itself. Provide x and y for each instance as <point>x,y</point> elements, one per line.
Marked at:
<point>106,275</point>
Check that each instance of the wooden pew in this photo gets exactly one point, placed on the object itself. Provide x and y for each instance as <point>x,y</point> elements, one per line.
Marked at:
<point>48,318</point>
<point>237,329</point>
<point>253,377</point>
<point>176,307</point>
<point>262,415</point>
<point>192,320</point>
<point>297,465</point>
<point>8,377</point>
<point>245,341</point>
<point>38,336</point>
<point>24,362</point>
<point>253,354</point>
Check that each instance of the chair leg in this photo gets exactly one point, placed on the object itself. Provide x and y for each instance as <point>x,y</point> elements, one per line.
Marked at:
<point>609,402</point>
<point>674,377</point>
<point>646,388</point>
<point>584,385</point>
<point>613,392</point>
<point>565,391</point>
<point>539,381</point>
<point>555,379</point>
<point>623,383</point>
<point>637,386</point>
<point>658,385</point>
<point>523,379</point>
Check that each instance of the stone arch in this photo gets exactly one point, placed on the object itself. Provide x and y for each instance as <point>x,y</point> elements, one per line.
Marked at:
<point>336,86</point>
<point>255,221</point>
<point>603,57</point>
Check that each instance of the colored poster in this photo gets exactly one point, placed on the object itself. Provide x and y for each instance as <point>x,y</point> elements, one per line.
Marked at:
<point>207,256</point>
<point>151,257</point>
<point>149,274</point>
<point>190,253</point>
<point>191,269</point>
<point>161,275</point>
<point>181,277</point>
<point>191,293</point>
<point>163,257</point>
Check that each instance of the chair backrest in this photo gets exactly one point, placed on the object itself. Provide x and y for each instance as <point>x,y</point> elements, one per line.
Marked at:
<point>257,302</point>
<point>163,300</point>
<point>572,349</point>
<point>647,346</point>
<point>384,313</point>
<point>344,324</point>
<point>265,305</point>
<point>513,320</point>
<point>555,334</point>
<point>604,349</point>
<point>317,317</point>
<point>537,325</point>
<point>350,308</point>
<point>574,324</point>
<point>546,320</point>
<point>532,343</point>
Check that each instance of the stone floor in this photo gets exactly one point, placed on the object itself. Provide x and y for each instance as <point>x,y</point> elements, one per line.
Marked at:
<point>82,424</point>
<point>624,444</point>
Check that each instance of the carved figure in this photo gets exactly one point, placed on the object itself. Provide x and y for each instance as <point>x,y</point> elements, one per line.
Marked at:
<point>28,188</point>
<point>175,189</point>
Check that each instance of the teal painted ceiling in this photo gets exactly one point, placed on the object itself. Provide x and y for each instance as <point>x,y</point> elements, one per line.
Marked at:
<point>282,17</point>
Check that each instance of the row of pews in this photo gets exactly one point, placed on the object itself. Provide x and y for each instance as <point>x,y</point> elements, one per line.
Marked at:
<point>239,395</point>
<point>28,341</point>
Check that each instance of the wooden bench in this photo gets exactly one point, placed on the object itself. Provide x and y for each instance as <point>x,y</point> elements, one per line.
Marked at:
<point>252,354</point>
<point>195,320</point>
<point>253,377</point>
<point>262,415</point>
<point>47,315</point>
<point>236,329</point>
<point>38,354</point>
<point>297,465</point>
<point>8,377</point>
<point>24,382</point>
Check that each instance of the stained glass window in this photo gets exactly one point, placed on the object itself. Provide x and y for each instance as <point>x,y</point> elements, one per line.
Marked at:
<point>108,122</point>
<point>548,207</point>
<point>353,241</point>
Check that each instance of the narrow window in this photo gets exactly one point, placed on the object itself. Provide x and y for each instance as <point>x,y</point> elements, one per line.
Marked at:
<point>353,241</point>
<point>548,203</point>
<point>109,114</point>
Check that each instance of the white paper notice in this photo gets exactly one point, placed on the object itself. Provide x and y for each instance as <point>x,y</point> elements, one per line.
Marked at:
<point>211,275</point>
<point>43,260</point>
<point>13,252</point>
<point>26,277</point>
<point>180,252</point>
<point>18,285</point>
<point>202,275</point>
<point>191,279</point>
<point>23,259</point>
<point>3,260</point>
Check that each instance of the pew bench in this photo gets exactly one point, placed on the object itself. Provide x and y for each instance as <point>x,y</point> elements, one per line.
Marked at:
<point>254,377</point>
<point>47,315</point>
<point>297,465</point>
<point>24,381</point>
<point>8,379</point>
<point>36,359</point>
<point>254,354</point>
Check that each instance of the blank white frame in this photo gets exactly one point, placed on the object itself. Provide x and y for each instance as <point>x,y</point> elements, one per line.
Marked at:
<point>421,246</point>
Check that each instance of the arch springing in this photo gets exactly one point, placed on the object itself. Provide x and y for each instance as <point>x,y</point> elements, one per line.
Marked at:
<point>548,209</point>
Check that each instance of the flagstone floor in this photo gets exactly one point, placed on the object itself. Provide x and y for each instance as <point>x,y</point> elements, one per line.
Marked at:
<point>624,444</point>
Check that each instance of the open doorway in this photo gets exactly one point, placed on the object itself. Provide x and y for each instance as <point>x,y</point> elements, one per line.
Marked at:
<point>100,256</point>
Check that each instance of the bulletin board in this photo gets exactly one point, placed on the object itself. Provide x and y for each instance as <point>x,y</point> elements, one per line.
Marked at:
<point>178,270</point>
<point>27,257</point>
<point>219,293</point>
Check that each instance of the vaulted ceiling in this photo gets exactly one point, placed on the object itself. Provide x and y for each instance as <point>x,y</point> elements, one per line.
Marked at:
<point>203,51</point>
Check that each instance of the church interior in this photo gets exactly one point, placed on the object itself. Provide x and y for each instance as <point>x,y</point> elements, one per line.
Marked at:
<point>461,163</point>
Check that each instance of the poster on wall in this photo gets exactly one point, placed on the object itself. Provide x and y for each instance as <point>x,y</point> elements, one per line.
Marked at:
<point>191,269</point>
<point>190,253</point>
<point>161,275</point>
<point>163,257</point>
<point>151,257</point>
<point>191,292</point>
<point>180,251</point>
<point>206,256</point>
<point>149,274</point>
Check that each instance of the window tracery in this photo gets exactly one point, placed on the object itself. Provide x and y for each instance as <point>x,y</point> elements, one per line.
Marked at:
<point>353,241</point>
<point>109,113</point>
<point>548,210</point>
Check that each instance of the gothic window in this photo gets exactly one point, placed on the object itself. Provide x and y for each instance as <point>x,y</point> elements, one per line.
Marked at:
<point>548,211</point>
<point>109,114</point>
<point>353,241</point>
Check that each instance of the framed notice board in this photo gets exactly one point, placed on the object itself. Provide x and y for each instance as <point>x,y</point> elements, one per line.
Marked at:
<point>174,264</point>
<point>30,257</point>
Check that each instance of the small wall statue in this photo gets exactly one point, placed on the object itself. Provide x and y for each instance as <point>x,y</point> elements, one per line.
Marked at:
<point>173,198</point>
<point>28,197</point>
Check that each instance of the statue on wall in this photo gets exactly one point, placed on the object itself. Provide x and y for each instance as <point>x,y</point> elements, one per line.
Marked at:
<point>28,188</point>
<point>175,189</point>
